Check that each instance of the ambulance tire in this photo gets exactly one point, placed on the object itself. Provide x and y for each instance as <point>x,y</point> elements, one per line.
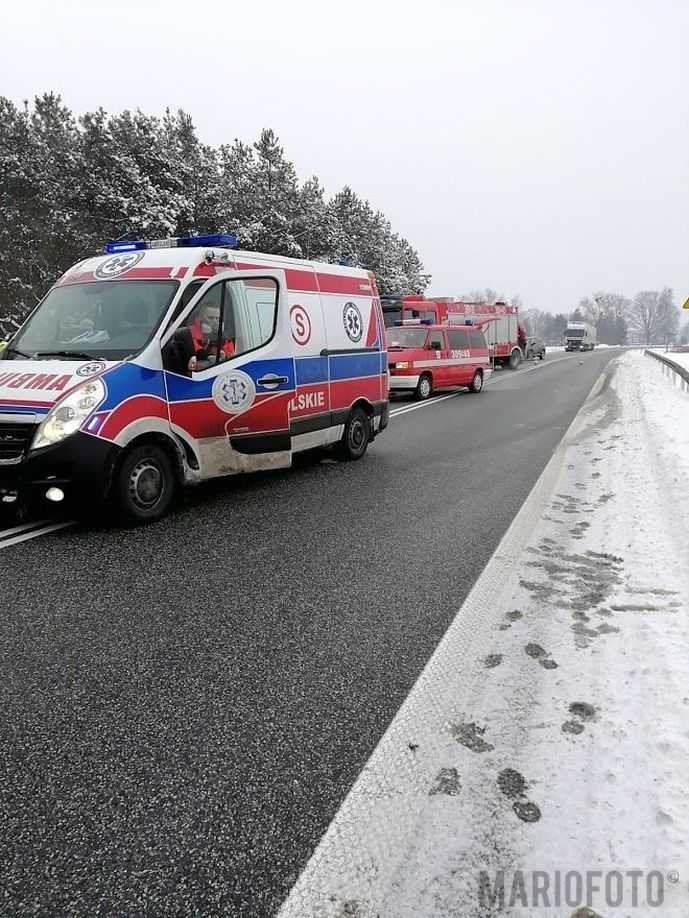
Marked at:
<point>356,436</point>
<point>476,383</point>
<point>424,388</point>
<point>144,485</point>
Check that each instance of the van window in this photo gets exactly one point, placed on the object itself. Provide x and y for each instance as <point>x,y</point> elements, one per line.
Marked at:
<point>233,317</point>
<point>477,340</point>
<point>436,340</point>
<point>400,338</point>
<point>459,339</point>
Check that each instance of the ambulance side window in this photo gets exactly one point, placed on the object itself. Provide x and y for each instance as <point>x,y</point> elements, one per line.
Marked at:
<point>232,318</point>
<point>187,294</point>
<point>250,312</point>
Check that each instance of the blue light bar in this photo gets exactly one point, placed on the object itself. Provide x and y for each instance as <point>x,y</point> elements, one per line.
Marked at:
<point>112,248</point>
<point>227,240</point>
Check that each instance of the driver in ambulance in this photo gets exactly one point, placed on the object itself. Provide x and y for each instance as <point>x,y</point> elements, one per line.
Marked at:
<point>204,332</point>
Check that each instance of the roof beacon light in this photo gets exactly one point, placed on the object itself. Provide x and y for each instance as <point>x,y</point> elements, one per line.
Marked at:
<point>227,240</point>
<point>113,248</point>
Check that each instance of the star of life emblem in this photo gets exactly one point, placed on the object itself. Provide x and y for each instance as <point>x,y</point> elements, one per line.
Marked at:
<point>234,392</point>
<point>353,323</point>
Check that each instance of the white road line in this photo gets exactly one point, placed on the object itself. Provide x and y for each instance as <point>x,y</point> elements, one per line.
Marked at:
<point>510,374</point>
<point>30,533</point>
<point>34,524</point>
<point>430,401</point>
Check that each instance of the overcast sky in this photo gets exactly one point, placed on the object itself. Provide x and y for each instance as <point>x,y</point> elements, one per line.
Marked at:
<point>541,148</point>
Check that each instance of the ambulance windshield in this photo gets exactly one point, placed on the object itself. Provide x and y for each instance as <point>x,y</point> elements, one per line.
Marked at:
<point>406,337</point>
<point>111,319</point>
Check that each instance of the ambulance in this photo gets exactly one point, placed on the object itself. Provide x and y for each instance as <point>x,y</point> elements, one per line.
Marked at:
<point>425,357</point>
<point>168,362</point>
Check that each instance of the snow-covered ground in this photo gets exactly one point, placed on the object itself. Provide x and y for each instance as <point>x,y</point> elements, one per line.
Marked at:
<point>556,742</point>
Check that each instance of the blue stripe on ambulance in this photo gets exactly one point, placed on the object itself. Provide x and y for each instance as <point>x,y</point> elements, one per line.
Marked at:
<point>311,370</point>
<point>184,389</point>
<point>351,366</point>
<point>130,379</point>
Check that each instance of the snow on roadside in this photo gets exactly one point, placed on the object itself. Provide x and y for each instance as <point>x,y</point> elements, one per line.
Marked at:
<point>583,711</point>
<point>568,751</point>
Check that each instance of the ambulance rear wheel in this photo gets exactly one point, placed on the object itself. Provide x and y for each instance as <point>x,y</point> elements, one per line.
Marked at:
<point>476,383</point>
<point>356,437</point>
<point>144,485</point>
<point>424,388</point>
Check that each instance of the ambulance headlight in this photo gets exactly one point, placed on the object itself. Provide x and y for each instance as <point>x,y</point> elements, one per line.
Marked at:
<point>69,414</point>
<point>402,366</point>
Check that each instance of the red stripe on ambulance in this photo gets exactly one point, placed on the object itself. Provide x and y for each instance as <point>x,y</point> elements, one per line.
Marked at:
<point>134,409</point>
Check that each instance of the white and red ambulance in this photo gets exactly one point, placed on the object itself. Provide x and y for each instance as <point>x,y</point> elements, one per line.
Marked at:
<point>424,357</point>
<point>179,360</point>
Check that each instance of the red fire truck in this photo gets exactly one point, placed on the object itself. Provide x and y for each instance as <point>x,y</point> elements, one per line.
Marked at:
<point>499,322</point>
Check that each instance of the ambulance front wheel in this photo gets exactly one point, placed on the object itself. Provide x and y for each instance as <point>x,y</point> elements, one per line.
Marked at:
<point>144,484</point>
<point>424,388</point>
<point>356,436</point>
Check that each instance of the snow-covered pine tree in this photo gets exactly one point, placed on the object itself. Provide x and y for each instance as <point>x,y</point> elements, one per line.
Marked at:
<point>66,186</point>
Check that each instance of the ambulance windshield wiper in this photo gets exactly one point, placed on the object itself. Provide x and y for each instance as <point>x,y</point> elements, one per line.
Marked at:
<point>15,350</point>
<point>78,355</point>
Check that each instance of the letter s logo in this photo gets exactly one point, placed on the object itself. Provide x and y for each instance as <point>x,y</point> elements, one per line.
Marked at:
<point>301,325</point>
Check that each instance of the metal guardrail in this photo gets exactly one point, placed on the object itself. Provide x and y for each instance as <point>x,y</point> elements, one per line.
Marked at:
<point>679,375</point>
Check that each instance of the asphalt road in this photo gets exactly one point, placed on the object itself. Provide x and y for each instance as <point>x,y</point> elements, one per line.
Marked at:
<point>185,706</point>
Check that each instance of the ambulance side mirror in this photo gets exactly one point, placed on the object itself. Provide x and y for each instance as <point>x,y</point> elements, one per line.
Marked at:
<point>178,351</point>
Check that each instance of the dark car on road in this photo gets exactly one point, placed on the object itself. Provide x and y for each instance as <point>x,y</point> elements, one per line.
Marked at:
<point>535,348</point>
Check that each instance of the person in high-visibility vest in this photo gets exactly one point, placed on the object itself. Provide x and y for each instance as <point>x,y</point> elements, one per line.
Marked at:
<point>204,333</point>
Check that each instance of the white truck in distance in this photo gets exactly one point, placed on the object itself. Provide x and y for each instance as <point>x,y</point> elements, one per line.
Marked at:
<point>580,336</point>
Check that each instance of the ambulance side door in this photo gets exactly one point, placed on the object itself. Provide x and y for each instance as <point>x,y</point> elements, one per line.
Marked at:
<point>309,410</point>
<point>234,405</point>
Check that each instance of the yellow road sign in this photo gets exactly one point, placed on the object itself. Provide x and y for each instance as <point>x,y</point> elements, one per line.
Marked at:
<point>685,304</point>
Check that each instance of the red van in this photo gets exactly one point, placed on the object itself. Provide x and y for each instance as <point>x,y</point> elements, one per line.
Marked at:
<point>423,358</point>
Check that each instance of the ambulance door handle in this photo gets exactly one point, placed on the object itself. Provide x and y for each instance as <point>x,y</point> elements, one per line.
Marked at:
<point>271,381</point>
